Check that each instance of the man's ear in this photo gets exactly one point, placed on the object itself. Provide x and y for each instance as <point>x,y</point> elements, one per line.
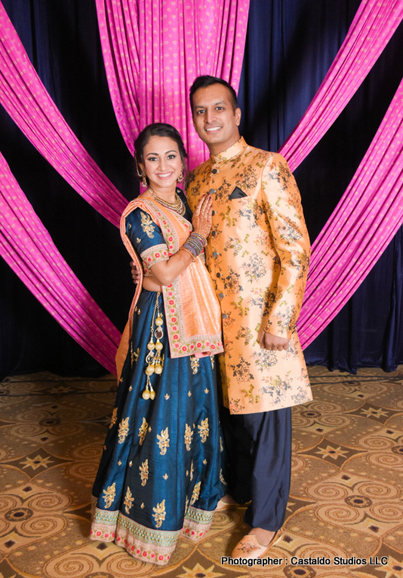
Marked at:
<point>238,114</point>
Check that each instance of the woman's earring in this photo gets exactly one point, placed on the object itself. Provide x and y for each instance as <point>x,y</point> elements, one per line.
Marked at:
<point>142,176</point>
<point>180,178</point>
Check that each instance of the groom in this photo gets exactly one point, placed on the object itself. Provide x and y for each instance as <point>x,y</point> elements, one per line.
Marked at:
<point>257,254</point>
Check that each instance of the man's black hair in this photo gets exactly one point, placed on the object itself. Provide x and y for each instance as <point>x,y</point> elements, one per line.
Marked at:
<point>206,80</point>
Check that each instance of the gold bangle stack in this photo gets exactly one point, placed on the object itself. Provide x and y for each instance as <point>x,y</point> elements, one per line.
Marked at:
<point>154,358</point>
<point>194,244</point>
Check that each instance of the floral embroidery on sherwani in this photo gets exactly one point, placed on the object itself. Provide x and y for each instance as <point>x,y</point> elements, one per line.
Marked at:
<point>147,225</point>
<point>203,430</point>
<point>163,441</point>
<point>123,430</point>
<point>109,495</point>
<point>195,494</point>
<point>144,472</point>
<point>128,500</point>
<point>159,514</point>
<point>143,430</point>
<point>113,417</point>
<point>257,254</point>
<point>188,437</point>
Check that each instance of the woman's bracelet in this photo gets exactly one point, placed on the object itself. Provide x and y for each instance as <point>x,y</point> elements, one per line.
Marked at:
<point>191,253</point>
<point>194,244</point>
<point>197,241</point>
<point>200,237</point>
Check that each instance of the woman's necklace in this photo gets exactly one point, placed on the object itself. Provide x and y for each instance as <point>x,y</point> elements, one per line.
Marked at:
<point>178,206</point>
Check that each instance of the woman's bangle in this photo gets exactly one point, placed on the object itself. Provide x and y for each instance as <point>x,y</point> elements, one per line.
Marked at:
<point>194,244</point>
<point>200,237</point>
<point>191,253</point>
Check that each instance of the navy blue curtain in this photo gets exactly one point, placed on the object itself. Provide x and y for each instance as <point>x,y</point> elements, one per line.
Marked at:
<point>290,46</point>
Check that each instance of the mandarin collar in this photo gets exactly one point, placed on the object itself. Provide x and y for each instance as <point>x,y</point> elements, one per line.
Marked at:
<point>230,152</point>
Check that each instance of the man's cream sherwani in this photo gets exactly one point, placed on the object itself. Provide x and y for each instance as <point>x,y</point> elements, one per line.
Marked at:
<point>257,254</point>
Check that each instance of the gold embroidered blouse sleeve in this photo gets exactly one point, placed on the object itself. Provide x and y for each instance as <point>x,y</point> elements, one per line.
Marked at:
<point>283,207</point>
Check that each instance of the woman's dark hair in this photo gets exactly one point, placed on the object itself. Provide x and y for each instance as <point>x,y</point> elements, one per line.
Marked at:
<point>157,129</point>
<point>206,80</point>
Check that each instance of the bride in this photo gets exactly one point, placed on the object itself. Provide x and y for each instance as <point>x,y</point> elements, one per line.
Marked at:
<point>161,474</point>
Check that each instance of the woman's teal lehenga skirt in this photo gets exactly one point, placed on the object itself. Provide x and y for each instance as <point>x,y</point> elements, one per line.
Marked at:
<point>161,472</point>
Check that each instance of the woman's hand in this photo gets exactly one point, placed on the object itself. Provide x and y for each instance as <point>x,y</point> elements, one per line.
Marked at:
<point>135,272</point>
<point>202,216</point>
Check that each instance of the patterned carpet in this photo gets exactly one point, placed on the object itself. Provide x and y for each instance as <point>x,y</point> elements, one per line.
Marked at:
<point>345,513</point>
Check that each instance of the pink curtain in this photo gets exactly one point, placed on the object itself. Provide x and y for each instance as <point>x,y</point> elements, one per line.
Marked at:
<point>27,101</point>
<point>24,243</point>
<point>360,228</point>
<point>154,50</point>
<point>28,248</point>
<point>152,53</point>
<point>370,31</point>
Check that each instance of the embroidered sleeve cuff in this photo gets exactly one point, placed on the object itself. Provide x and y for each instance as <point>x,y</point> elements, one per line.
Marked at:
<point>155,255</point>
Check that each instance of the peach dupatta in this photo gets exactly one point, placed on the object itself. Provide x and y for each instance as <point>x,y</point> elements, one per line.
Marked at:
<point>192,310</point>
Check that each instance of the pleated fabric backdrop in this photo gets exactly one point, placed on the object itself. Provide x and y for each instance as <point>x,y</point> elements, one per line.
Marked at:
<point>290,46</point>
<point>289,49</point>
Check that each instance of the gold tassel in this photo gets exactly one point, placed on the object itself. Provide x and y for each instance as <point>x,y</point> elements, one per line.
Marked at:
<point>154,358</point>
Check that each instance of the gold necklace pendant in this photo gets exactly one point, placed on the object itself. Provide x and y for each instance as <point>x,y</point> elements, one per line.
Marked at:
<point>178,206</point>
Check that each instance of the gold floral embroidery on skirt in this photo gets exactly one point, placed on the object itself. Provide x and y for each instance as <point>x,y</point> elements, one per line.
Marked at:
<point>196,493</point>
<point>163,441</point>
<point>203,430</point>
<point>159,514</point>
<point>109,495</point>
<point>128,500</point>
<point>134,355</point>
<point>113,417</point>
<point>144,472</point>
<point>143,430</point>
<point>191,471</point>
<point>123,430</point>
<point>188,437</point>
